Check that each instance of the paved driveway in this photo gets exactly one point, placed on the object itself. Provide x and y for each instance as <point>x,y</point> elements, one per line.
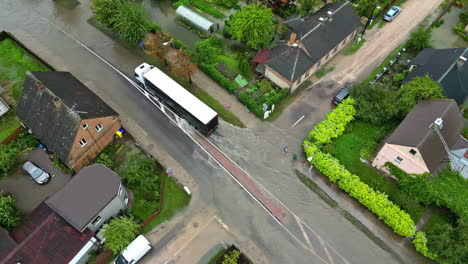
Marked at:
<point>28,193</point>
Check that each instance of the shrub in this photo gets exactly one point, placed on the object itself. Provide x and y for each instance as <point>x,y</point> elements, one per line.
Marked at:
<point>119,233</point>
<point>420,243</point>
<point>376,202</point>
<point>9,152</point>
<point>105,10</point>
<point>398,79</point>
<point>419,39</point>
<point>334,124</point>
<point>244,68</point>
<point>181,2</point>
<point>9,213</point>
<point>105,159</point>
<point>227,3</point>
<point>460,30</point>
<point>131,21</point>
<point>205,7</point>
<point>218,77</point>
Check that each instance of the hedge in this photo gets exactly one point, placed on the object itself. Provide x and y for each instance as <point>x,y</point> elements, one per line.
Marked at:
<point>218,77</point>
<point>376,202</point>
<point>334,124</point>
<point>420,243</point>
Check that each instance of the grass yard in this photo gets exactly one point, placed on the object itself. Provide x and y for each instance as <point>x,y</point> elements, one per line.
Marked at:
<point>14,63</point>
<point>8,123</point>
<point>353,48</point>
<point>346,149</point>
<point>175,198</point>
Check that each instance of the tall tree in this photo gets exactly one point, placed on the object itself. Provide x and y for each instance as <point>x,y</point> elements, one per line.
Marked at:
<point>308,6</point>
<point>253,24</point>
<point>419,39</point>
<point>8,212</point>
<point>182,65</point>
<point>207,51</point>
<point>420,88</point>
<point>105,10</point>
<point>119,233</point>
<point>131,21</point>
<point>373,102</point>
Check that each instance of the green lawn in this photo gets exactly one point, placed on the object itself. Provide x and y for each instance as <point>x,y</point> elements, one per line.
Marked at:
<point>8,124</point>
<point>346,149</point>
<point>175,198</point>
<point>14,63</point>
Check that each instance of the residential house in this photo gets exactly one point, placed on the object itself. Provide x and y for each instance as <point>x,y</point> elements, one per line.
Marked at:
<point>313,42</point>
<point>66,116</point>
<point>445,66</point>
<point>62,228</point>
<point>415,146</point>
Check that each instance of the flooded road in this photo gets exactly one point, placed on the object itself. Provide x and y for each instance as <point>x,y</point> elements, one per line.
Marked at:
<point>444,37</point>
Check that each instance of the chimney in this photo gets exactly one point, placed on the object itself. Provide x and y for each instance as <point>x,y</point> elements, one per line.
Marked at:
<point>461,61</point>
<point>439,123</point>
<point>292,39</point>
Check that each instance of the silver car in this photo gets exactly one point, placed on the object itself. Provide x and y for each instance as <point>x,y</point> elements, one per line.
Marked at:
<point>392,13</point>
<point>38,174</point>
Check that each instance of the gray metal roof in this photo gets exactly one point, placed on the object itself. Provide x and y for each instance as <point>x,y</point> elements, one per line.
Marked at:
<point>85,195</point>
<point>194,17</point>
<point>415,130</point>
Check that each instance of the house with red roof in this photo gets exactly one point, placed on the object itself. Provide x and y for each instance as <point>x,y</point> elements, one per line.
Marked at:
<point>62,228</point>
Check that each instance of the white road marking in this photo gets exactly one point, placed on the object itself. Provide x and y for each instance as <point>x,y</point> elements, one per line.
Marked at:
<point>306,237</point>
<point>299,120</point>
<point>326,250</point>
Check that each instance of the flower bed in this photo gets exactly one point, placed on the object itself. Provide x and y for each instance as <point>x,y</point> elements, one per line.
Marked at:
<point>259,94</point>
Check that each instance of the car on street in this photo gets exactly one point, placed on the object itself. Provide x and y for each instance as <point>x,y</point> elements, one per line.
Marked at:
<point>135,251</point>
<point>341,95</point>
<point>37,173</point>
<point>392,13</point>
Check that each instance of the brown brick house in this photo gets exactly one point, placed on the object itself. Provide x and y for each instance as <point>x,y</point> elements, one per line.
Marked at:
<point>66,116</point>
<point>313,42</point>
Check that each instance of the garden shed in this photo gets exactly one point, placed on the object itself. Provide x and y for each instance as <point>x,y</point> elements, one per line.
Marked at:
<point>195,20</point>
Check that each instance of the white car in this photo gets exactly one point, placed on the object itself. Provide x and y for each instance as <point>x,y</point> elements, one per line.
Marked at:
<point>392,13</point>
<point>38,174</point>
<point>135,251</point>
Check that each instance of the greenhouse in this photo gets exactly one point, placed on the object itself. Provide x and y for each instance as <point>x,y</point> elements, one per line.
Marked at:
<point>195,20</point>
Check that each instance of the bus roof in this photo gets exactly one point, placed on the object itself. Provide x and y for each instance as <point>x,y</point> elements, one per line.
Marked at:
<point>180,95</point>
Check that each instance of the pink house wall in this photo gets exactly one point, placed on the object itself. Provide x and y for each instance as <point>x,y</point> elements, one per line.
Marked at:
<point>409,163</point>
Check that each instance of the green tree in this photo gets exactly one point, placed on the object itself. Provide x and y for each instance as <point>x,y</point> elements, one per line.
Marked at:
<point>253,24</point>
<point>373,102</point>
<point>308,6</point>
<point>364,7</point>
<point>232,257</point>
<point>449,243</point>
<point>8,154</point>
<point>207,51</point>
<point>420,88</point>
<point>119,233</point>
<point>105,10</point>
<point>8,212</point>
<point>419,39</point>
<point>105,159</point>
<point>139,169</point>
<point>420,243</point>
<point>131,21</point>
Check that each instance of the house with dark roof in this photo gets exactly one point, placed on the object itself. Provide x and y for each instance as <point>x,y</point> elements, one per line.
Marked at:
<point>62,229</point>
<point>448,67</point>
<point>313,42</point>
<point>67,117</point>
<point>416,145</point>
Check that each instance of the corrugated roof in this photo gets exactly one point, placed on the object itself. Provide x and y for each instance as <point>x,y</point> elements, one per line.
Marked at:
<point>415,130</point>
<point>318,39</point>
<point>85,195</point>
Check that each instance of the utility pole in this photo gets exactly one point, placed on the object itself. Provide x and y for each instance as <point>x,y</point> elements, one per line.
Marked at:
<point>371,18</point>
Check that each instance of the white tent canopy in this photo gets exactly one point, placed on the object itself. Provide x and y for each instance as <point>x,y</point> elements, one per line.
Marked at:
<point>194,19</point>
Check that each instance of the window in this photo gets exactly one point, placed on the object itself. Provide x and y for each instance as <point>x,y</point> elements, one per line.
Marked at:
<point>120,190</point>
<point>99,127</point>
<point>83,142</point>
<point>96,220</point>
<point>398,160</point>
<point>85,125</point>
<point>412,151</point>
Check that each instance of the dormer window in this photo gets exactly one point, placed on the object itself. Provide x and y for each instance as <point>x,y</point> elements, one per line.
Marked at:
<point>96,221</point>
<point>412,151</point>
<point>99,127</point>
<point>83,142</point>
<point>85,125</point>
<point>398,159</point>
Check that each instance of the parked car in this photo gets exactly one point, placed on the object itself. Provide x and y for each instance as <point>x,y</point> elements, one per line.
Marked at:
<point>392,13</point>
<point>341,95</point>
<point>135,251</point>
<point>38,174</point>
